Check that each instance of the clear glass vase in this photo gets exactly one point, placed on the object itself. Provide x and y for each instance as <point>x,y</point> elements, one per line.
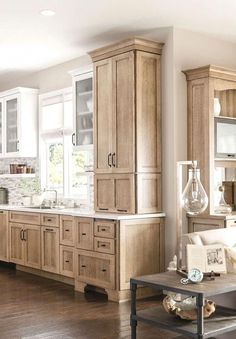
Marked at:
<point>223,207</point>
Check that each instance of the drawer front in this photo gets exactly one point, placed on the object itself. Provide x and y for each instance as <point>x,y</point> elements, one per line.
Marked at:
<point>67,261</point>
<point>50,220</point>
<point>230,223</point>
<point>95,268</point>
<point>84,233</point>
<point>24,218</point>
<point>67,236</point>
<point>104,245</point>
<point>104,229</point>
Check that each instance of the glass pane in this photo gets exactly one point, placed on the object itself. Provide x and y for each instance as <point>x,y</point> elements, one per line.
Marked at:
<point>52,116</point>
<point>84,112</point>
<point>11,126</point>
<point>55,166</point>
<point>0,127</point>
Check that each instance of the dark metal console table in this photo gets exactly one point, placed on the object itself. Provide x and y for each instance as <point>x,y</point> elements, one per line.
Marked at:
<point>222,321</point>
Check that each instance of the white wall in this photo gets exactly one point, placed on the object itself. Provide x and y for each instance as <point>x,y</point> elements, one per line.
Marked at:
<point>49,79</point>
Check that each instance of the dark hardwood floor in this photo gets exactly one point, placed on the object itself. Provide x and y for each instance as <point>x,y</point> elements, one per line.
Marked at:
<point>35,307</point>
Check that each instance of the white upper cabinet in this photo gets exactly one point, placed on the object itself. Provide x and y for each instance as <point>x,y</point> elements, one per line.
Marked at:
<point>18,122</point>
<point>83,107</point>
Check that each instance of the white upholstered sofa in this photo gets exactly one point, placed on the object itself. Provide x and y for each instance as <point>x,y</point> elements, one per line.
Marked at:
<point>226,237</point>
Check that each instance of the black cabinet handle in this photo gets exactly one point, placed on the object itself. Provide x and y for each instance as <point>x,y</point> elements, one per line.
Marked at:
<point>108,159</point>
<point>67,230</point>
<point>49,230</point>
<point>83,265</point>
<point>103,209</point>
<point>83,233</point>
<point>103,230</point>
<point>119,210</point>
<point>22,234</point>
<point>104,270</point>
<point>49,219</point>
<point>73,139</point>
<point>67,260</point>
<point>1,211</point>
<point>113,160</point>
<point>103,245</point>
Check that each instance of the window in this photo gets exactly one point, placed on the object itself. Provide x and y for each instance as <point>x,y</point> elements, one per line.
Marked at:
<point>67,169</point>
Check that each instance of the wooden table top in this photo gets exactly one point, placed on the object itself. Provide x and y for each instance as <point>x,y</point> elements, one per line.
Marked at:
<point>171,282</point>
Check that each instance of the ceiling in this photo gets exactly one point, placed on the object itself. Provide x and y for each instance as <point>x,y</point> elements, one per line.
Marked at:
<point>30,42</point>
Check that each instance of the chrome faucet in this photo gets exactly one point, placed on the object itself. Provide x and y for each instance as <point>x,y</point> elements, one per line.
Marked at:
<point>54,202</point>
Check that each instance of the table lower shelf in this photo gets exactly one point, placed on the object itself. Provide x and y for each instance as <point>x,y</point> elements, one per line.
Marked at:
<point>161,318</point>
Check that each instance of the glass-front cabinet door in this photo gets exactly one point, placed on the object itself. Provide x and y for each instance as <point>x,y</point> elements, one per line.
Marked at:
<point>84,109</point>
<point>12,141</point>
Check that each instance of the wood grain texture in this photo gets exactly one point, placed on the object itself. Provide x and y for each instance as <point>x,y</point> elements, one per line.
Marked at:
<point>123,124</point>
<point>67,230</point>
<point>24,218</point>
<point>49,220</point>
<point>32,246</point>
<point>148,113</point>
<point>149,199</point>
<point>104,229</point>
<point>126,45</point>
<point>4,236</point>
<point>37,307</point>
<point>140,249</point>
<point>196,224</point>
<point>102,115</point>
<point>50,249</point>
<point>67,261</point>
<point>84,233</point>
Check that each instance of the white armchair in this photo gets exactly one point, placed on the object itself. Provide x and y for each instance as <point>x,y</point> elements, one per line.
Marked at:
<point>226,237</point>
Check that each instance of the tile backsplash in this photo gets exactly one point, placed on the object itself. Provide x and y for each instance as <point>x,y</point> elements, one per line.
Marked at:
<point>18,187</point>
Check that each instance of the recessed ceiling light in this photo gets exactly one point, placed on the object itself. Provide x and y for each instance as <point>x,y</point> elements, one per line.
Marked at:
<point>47,12</point>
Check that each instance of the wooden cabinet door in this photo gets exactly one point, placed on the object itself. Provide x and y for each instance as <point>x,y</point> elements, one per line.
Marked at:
<point>16,244</point>
<point>67,261</point>
<point>84,233</point>
<point>97,269</point>
<point>67,236</point>
<point>50,249</point>
<point>103,115</point>
<point>104,189</point>
<point>124,193</point>
<point>123,124</point>
<point>32,246</point>
<point>4,236</point>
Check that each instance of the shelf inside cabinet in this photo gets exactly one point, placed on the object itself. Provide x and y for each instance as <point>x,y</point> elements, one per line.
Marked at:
<point>84,93</point>
<point>85,113</point>
<point>224,117</point>
<point>223,162</point>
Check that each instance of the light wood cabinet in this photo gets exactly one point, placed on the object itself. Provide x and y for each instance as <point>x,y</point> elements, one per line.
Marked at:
<point>67,230</point>
<point>50,249</point>
<point>115,193</point>
<point>94,268</point>
<point>127,121</point>
<point>25,245</point>
<point>4,236</point>
<point>84,233</point>
<point>50,220</point>
<point>67,261</point>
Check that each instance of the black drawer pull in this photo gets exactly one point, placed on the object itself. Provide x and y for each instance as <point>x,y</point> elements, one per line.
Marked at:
<point>67,260</point>
<point>103,245</point>
<point>103,209</point>
<point>83,233</point>
<point>83,265</point>
<point>104,270</point>
<point>67,230</point>
<point>103,230</point>
<point>1,212</point>
<point>49,230</point>
<point>122,210</point>
<point>49,219</point>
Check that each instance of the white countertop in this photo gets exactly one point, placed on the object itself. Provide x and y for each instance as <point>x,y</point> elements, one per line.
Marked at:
<point>77,212</point>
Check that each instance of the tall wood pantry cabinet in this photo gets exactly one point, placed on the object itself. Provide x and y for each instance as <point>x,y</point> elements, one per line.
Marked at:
<point>127,127</point>
<point>205,85</point>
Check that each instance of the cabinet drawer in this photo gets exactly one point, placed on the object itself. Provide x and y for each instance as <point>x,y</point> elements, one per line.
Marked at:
<point>67,230</point>
<point>104,229</point>
<point>67,261</point>
<point>104,245</point>
<point>97,269</point>
<point>84,233</point>
<point>50,220</point>
<point>50,249</point>
<point>230,223</point>
<point>25,218</point>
